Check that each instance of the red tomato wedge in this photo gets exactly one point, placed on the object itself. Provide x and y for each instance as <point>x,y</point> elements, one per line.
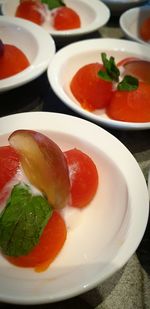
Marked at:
<point>144,30</point>
<point>31,10</point>
<point>12,61</point>
<point>50,244</point>
<point>65,18</point>
<point>83,178</point>
<point>136,67</point>
<point>132,106</point>
<point>89,89</point>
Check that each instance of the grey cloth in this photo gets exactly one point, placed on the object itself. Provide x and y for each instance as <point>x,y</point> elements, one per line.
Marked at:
<point>129,288</point>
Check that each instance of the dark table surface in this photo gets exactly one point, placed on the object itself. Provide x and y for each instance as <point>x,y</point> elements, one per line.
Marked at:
<point>38,95</point>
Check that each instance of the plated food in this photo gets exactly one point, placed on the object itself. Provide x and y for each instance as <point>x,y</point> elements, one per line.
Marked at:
<point>22,56</point>
<point>72,18</point>
<point>123,88</point>
<point>59,15</point>
<point>37,181</point>
<point>135,24</point>
<point>100,234</point>
<point>100,78</point>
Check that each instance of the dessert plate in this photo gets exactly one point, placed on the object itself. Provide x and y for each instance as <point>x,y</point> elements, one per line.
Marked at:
<point>30,39</point>
<point>69,59</point>
<point>93,14</point>
<point>101,237</point>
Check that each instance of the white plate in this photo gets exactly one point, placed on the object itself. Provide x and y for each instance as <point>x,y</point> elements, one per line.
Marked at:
<point>70,58</point>
<point>94,14</point>
<point>119,6</point>
<point>106,233</point>
<point>131,20</point>
<point>37,44</point>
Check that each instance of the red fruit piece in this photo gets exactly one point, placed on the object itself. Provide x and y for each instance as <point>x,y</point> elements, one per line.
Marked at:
<point>144,29</point>
<point>137,68</point>
<point>131,106</point>
<point>50,244</point>
<point>12,61</point>
<point>44,164</point>
<point>31,10</point>
<point>89,89</point>
<point>9,164</point>
<point>65,18</point>
<point>83,177</point>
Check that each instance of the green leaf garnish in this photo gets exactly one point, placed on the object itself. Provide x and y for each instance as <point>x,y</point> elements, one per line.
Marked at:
<point>22,221</point>
<point>104,75</point>
<point>53,4</point>
<point>112,72</point>
<point>128,83</point>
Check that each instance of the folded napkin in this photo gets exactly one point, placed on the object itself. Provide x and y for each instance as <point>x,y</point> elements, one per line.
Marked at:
<point>129,288</point>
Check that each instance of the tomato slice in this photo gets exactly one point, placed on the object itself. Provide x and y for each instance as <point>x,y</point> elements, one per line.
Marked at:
<point>83,177</point>
<point>89,89</point>
<point>66,18</point>
<point>131,106</point>
<point>50,244</point>
<point>31,10</point>
<point>12,61</point>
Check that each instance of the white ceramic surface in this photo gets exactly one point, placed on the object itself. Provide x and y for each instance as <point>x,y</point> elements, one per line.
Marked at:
<point>37,44</point>
<point>119,6</point>
<point>106,233</point>
<point>93,14</point>
<point>69,59</point>
<point>131,20</point>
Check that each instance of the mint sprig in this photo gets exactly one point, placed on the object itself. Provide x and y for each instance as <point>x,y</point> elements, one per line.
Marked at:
<point>53,4</point>
<point>112,74</point>
<point>22,221</point>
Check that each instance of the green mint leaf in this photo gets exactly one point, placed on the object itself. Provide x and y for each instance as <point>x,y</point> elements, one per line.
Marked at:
<point>22,221</point>
<point>1,48</point>
<point>110,67</point>
<point>128,83</point>
<point>104,75</point>
<point>53,4</point>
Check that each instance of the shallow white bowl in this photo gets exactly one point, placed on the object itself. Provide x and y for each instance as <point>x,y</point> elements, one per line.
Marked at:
<point>119,6</point>
<point>70,58</point>
<point>131,20</point>
<point>104,235</point>
<point>94,14</point>
<point>37,44</point>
